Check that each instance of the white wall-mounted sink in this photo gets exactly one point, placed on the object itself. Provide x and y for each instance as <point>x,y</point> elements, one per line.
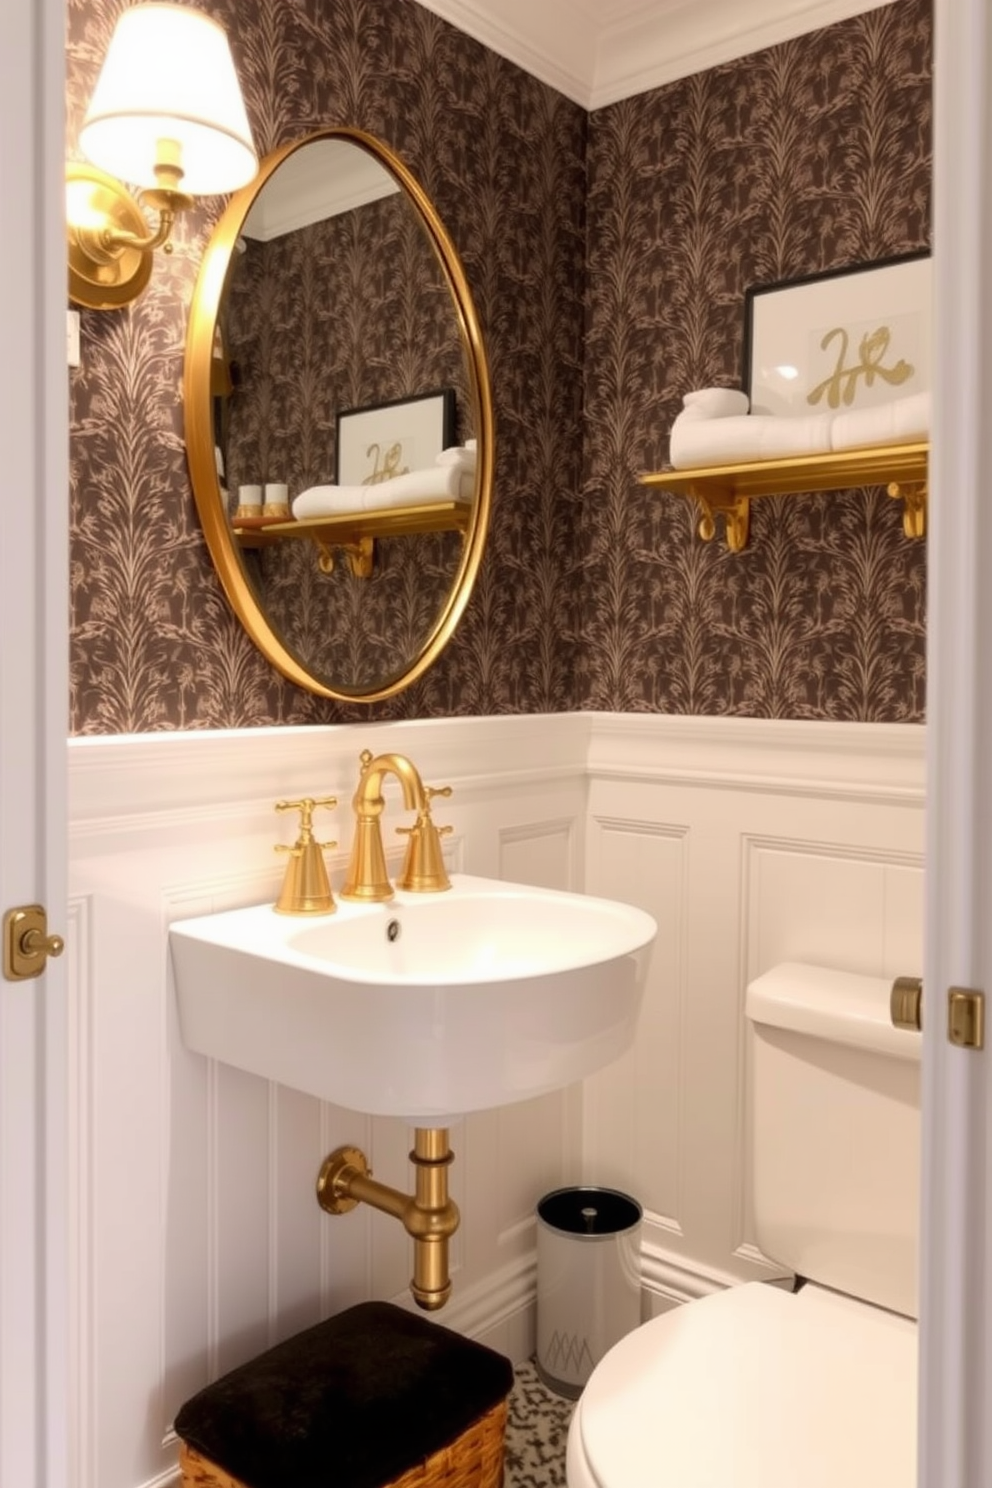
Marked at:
<point>427,1007</point>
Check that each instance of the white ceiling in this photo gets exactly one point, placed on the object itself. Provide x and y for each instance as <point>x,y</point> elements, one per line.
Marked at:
<point>597,51</point>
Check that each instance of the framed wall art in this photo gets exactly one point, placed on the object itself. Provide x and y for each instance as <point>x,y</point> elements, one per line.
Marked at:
<point>855,338</point>
<point>388,439</point>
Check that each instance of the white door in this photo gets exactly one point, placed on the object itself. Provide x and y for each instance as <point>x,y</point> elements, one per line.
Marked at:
<point>956,1297</point>
<point>33,692</point>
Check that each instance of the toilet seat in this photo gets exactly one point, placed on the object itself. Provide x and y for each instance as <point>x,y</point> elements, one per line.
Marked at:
<point>753,1387</point>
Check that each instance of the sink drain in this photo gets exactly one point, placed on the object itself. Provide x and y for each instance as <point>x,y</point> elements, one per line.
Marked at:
<point>393,930</point>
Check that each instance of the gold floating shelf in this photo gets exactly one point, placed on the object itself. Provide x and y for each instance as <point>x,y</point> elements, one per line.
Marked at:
<point>354,533</point>
<point>728,490</point>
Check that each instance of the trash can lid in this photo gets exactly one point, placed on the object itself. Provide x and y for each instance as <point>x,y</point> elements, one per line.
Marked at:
<point>589,1212</point>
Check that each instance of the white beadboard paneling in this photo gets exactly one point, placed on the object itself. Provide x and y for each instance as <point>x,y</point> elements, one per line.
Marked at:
<point>193,1183</point>
<point>633,1135</point>
<point>294,1218</point>
<point>240,1253</point>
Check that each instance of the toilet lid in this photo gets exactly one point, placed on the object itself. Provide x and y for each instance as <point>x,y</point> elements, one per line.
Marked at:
<point>756,1387</point>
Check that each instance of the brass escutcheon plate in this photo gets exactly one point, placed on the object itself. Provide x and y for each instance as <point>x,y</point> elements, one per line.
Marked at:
<point>340,1165</point>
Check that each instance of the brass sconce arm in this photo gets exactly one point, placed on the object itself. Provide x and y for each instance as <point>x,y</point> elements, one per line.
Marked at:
<point>110,243</point>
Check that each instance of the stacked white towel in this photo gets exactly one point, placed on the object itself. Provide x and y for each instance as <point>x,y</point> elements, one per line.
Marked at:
<point>415,488</point>
<point>715,427</point>
<point>900,422</point>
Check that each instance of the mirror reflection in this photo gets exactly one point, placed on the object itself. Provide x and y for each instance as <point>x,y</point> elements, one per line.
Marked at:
<point>341,383</point>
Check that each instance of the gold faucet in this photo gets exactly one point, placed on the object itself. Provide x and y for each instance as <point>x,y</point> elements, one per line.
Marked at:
<point>306,888</point>
<point>423,870</point>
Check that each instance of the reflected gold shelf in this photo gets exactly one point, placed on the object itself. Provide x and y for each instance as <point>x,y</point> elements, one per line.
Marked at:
<point>728,490</point>
<point>355,533</point>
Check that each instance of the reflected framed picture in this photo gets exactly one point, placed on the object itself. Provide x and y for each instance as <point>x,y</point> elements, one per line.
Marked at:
<point>374,444</point>
<point>854,338</point>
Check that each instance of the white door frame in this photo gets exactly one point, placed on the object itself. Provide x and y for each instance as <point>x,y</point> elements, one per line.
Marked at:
<point>956,1291</point>
<point>33,728</point>
<point>956,1294</point>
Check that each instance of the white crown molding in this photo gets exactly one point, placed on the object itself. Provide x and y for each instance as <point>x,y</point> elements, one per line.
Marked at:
<point>549,40</point>
<point>599,60</point>
<point>702,34</point>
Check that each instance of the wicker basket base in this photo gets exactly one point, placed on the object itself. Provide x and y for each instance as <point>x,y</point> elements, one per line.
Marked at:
<point>472,1460</point>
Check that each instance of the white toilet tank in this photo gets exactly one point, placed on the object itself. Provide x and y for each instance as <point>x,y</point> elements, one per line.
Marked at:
<point>835,1133</point>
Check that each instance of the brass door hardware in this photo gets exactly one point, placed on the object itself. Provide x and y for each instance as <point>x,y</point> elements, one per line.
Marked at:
<point>27,944</point>
<point>966,1017</point>
<point>906,1002</point>
<point>965,1011</point>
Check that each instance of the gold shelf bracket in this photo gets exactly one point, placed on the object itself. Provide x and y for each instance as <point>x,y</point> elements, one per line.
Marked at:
<point>735,510</point>
<point>913,495</point>
<point>360,555</point>
<point>728,490</point>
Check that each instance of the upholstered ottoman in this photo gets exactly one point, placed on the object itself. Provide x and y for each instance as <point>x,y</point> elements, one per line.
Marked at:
<point>373,1397</point>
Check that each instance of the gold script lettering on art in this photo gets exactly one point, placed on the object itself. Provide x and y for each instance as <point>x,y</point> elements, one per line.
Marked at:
<point>842,384</point>
<point>390,463</point>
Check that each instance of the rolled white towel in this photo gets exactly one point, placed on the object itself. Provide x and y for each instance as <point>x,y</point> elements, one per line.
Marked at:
<point>713,403</point>
<point>902,421</point>
<point>462,455</point>
<point>722,441</point>
<point>328,501</point>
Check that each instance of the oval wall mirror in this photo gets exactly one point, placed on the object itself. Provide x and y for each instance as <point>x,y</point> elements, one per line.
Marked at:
<point>338,415</point>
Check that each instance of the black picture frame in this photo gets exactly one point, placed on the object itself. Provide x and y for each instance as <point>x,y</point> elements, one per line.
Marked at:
<point>798,336</point>
<point>381,440</point>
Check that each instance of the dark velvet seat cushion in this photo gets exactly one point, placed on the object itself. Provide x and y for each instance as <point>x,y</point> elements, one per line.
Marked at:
<point>356,1401</point>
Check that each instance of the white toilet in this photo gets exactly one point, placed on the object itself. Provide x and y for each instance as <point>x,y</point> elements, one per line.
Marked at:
<point>759,1386</point>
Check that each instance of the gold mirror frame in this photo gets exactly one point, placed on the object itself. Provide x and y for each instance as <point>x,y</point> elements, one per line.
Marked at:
<point>198,412</point>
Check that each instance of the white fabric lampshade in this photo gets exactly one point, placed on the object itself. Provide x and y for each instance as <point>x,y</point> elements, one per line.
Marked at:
<point>169,74</point>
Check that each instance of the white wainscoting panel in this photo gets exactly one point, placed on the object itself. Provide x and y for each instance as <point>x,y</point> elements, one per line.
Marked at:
<point>198,1240</point>
<point>785,841</point>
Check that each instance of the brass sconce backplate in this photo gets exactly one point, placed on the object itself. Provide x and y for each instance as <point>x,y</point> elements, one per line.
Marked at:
<point>104,275</point>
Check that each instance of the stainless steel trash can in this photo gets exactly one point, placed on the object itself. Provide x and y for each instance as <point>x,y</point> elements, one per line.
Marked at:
<point>588,1281</point>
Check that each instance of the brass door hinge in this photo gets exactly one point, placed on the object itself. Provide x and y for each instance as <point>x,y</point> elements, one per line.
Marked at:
<point>965,1011</point>
<point>27,944</point>
<point>966,1017</point>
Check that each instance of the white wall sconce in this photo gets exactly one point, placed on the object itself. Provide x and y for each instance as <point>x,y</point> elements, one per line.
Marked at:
<point>166,115</point>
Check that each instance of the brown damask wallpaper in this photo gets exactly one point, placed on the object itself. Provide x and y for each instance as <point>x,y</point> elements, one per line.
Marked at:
<point>608,256</point>
<point>807,156</point>
<point>504,159</point>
